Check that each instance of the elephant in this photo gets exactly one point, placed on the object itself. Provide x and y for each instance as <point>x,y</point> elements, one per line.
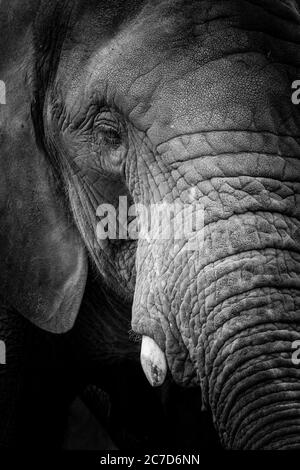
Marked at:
<point>179,104</point>
<point>46,366</point>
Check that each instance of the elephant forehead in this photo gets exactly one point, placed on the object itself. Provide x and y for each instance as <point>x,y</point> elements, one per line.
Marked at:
<point>176,65</point>
<point>144,43</point>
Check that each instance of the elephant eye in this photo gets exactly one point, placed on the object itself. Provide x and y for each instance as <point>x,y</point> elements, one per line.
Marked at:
<point>108,129</point>
<point>111,136</point>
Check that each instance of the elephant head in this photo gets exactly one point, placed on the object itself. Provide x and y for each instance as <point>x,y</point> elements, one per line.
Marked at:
<point>169,104</point>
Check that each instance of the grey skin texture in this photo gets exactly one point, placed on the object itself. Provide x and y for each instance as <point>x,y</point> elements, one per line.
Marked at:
<point>153,99</point>
<point>43,269</point>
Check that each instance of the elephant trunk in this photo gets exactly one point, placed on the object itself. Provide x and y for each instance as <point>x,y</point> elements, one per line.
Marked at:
<point>248,375</point>
<point>227,315</point>
<point>249,308</point>
<point>243,319</point>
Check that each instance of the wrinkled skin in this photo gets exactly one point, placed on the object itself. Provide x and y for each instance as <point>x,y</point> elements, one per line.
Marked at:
<point>138,99</point>
<point>43,276</point>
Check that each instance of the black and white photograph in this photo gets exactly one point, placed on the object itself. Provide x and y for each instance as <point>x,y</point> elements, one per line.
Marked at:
<point>149,229</point>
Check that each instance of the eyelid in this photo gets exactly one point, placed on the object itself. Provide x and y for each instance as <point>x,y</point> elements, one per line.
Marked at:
<point>106,118</point>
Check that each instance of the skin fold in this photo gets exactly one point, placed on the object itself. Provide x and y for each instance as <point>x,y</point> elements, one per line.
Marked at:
<point>162,101</point>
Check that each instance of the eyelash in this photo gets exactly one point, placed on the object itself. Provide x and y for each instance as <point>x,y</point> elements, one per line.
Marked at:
<point>110,134</point>
<point>108,129</point>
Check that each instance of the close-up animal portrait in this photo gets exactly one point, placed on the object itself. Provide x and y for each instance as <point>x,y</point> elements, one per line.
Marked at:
<point>149,227</point>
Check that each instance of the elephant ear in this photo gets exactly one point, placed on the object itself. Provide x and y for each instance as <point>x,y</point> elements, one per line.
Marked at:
<point>43,264</point>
